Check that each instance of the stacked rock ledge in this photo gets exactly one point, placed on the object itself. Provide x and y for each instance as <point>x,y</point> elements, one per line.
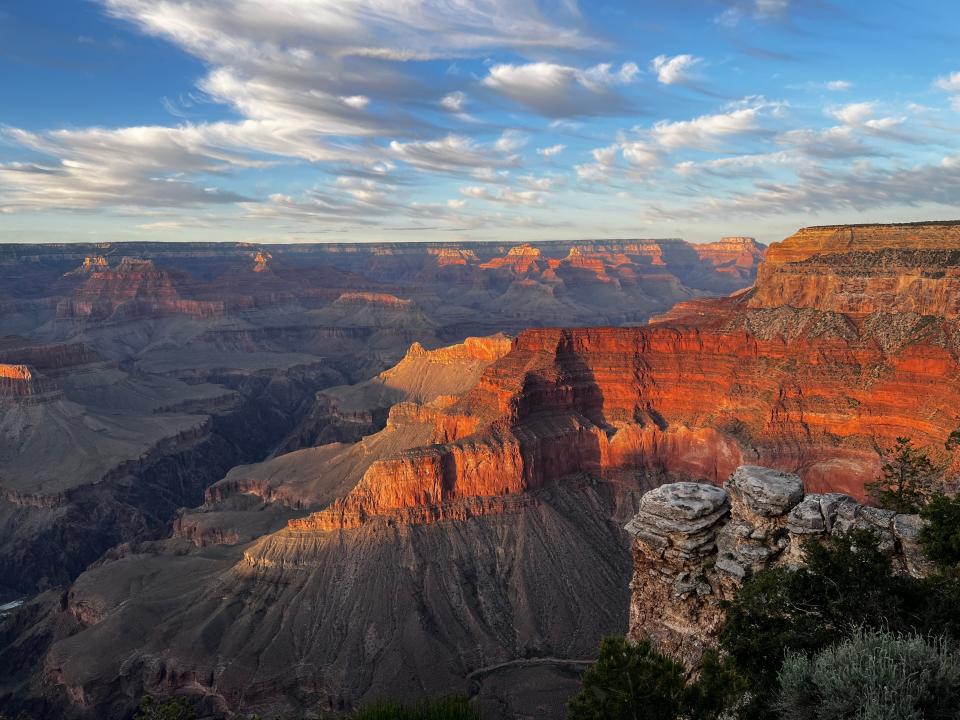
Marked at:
<point>695,544</point>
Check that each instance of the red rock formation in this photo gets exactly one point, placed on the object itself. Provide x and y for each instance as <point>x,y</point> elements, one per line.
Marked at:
<point>839,268</point>
<point>46,357</point>
<point>485,349</point>
<point>135,288</point>
<point>734,256</point>
<point>370,298</point>
<point>454,256</point>
<point>21,383</point>
<point>90,264</point>
<point>520,260</point>
<point>261,261</point>
<point>724,382</point>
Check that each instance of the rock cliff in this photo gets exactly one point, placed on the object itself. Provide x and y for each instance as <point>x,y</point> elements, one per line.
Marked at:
<point>694,544</point>
<point>804,391</point>
<point>134,288</point>
<point>863,269</point>
<point>23,384</point>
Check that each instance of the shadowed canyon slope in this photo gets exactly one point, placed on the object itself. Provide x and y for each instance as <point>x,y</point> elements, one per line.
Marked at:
<point>136,374</point>
<point>472,539</point>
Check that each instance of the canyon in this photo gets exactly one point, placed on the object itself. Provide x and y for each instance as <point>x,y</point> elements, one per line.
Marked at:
<point>137,374</point>
<point>439,507</point>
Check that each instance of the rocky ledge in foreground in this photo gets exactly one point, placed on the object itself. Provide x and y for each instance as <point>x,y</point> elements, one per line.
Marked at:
<point>694,545</point>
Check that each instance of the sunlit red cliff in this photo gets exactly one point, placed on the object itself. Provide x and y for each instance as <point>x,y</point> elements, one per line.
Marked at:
<point>806,372</point>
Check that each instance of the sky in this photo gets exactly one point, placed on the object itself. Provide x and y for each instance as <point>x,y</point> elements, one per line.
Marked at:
<point>512,120</point>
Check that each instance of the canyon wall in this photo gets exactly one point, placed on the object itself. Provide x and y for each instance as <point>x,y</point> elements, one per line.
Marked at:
<point>816,393</point>
<point>695,544</point>
<point>820,388</point>
<point>914,268</point>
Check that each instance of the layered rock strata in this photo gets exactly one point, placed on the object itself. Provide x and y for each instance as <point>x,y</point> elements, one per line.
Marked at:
<point>815,393</point>
<point>695,544</point>
<point>865,268</point>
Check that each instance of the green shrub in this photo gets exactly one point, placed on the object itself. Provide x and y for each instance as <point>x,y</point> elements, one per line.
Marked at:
<point>718,689</point>
<point>845,583</point>
<point>629,681</point>
<point>635,681</point>
<point>940,537</point>
<point>873,675</point>
<point>448,708</point>
<point>150,709</point>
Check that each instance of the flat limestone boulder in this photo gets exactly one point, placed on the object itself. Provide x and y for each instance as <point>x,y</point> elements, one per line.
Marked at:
<point>765,491</point>
<point>684,500</point>
<point>683,507</point>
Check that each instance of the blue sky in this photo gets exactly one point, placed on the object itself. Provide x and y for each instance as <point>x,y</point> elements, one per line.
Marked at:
<point>312,120</point>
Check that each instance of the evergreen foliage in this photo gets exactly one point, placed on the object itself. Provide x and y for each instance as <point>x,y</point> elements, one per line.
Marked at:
<point>940,536</point>
<point>906,480</point>
<point>629,681</point>
<point>448,708</point>
<point>150,709</point>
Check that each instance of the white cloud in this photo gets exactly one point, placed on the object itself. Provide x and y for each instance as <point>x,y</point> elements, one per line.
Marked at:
<point>705,131</point>
<point>860,116</point>
<point>758,9</point>
<point>507,196</point>
<point>854,113</point>
<point>828,144</point>
<point>357,102</point>
<point>541,184</point>
<point>304,77</point>
<point>510,141</point>
<point>674,70</point>
<point>560,90</point>
<point>839,85</point>
<point>604,160</point>
<point>638,155</point>
<point>343,28</point>
<point>551,151</point>
<point>738,166</point>
<point>771,8</point>
<point>137,166</point>
<point>861,187</point>
<point>454,102</point>
<point>950,83</point>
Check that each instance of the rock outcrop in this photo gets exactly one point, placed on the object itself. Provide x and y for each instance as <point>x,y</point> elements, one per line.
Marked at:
<point>695,544</point>
<point>861,269</point>
<point>135,288</point>
<point>23,384</point>
<point>368,298</point>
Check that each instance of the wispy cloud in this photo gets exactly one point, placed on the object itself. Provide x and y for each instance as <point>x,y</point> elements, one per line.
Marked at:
<point>563,91</point>
<point>456,154</point>
<point>704,132</point>
<point>552,150</point>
